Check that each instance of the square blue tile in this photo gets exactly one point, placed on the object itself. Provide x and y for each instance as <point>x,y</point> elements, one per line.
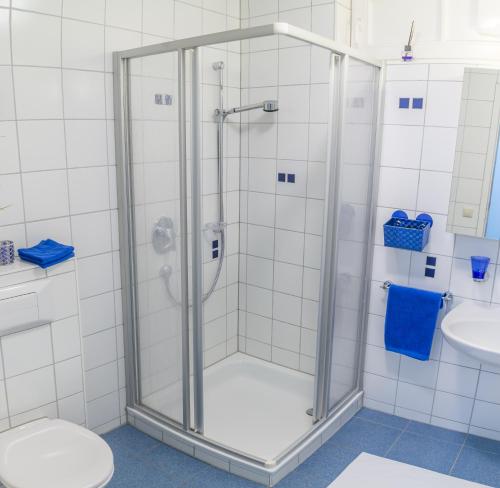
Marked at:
<point>215,244</point>
<point>436,432</point>
<point>361,435</point>
<point>478,466</point>
<point>417,103</point>
<point>430,272</point>
<point>215,254</point>
<point>483,443</point>
<point>425,452</point>
<point>320,469</point>
<point>282,177</point>
<point>290,178</point>
<point>404,103</point>
<point>383,418</point>
<point>431,261</point>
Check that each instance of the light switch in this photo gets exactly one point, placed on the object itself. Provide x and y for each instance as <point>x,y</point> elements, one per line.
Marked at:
<point>467,213</point>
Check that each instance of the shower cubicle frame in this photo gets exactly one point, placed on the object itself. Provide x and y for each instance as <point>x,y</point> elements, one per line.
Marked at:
<point>192,424</point>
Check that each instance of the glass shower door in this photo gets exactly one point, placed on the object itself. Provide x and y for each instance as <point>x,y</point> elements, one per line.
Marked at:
<point>157,240</point>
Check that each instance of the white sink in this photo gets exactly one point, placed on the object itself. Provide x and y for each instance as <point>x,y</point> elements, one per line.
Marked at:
<point>475,330</point>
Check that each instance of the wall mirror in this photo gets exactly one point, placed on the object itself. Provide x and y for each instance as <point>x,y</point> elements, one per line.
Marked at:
<point>475,191</point>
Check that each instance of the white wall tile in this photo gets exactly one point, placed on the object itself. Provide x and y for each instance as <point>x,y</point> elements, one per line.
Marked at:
<point>69,379</point>
<point>52,7</point>
<point>36,39</point>
<point>414,397</point>
<point>83,94</point>
<point>45,194</point>
<point>457,379</point>
<point>27,351</point>
<point>99,349</point>
<point>443,103</point>
<point>86,227</point>
<point>8,147</point>
<point>66,339</point>
<point>82,45</point>
<point>38,93</point>
<point>124,13</point>
<point>401,146</point>
<point>88,189</point>
<point>398,188</point>
<point>452,407</point>
<point>12,198</point>
<point>438,150</point>
<point>95,275</point>
<point>90,10</point>
<point>41,145</point>
<point>29,390</point>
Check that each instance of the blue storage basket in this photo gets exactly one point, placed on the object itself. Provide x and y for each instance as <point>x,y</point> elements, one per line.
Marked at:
<point>404,233</point>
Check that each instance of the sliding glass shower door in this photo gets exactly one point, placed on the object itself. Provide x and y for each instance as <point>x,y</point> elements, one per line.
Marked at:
<point>155,208</point>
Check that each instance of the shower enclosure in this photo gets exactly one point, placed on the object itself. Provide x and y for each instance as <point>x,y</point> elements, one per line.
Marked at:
<point>247,175</point>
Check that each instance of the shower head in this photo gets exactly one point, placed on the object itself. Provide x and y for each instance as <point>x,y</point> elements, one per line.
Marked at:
<point>270,106</point>
<point>266,105</point>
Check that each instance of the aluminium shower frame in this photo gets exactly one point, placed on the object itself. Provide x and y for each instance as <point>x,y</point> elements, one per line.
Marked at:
<point>192,421</point>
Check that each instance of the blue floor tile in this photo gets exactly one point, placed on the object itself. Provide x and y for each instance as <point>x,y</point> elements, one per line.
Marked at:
<point>320,469</point>
<point>130,438</point>
<point>425,452</point>
<point>362,435</point>
<point>383,418</point>
<point>216,478</point>
<point>177,465</point>
<point>134,472</point>
<point>479,466</point>
<point>436,432</point>
<point>483,444</point>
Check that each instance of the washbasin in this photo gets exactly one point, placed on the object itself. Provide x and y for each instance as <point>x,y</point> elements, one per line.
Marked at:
<point>474,329</point>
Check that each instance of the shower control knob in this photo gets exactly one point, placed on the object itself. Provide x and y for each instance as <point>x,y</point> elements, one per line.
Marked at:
<point>163,237</point>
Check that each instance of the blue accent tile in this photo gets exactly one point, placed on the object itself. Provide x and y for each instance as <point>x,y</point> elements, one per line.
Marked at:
<point>362,435</point>
<point>215,244</point>
<point>383,418</point>
<point>282,177</point>
<point>417,103</point>
<point>478,466</point>
<point>404,103</point>
<point>483,443</point>
<point>431,261</point>
<point>430,272</point>
<point>320,469</point>
<point>215,254</point>
<point>426,452</point>
<point>290,178</point>
<point>438,433</point>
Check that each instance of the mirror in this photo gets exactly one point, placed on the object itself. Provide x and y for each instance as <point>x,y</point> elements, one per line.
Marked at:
<point>475,191</point>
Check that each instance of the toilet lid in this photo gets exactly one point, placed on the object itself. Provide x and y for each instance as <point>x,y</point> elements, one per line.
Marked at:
<point>54,454</point>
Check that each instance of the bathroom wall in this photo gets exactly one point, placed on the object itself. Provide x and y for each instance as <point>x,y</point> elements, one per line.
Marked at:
<point>42,373</point>
<point>283,180</point>
<point>418,148</point>
<point>57,174</point>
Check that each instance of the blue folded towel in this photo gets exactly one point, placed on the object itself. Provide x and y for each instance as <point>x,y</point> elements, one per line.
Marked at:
<point>410,321</point>
<point>46,253</point>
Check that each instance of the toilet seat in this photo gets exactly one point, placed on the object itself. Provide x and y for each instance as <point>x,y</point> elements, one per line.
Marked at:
<point>53,453</point>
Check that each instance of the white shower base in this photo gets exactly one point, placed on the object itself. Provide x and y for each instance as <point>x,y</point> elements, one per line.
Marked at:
<point>256,407</point>
<point>252,406</point>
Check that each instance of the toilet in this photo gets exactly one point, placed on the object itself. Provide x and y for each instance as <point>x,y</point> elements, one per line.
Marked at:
<point>54,453</point>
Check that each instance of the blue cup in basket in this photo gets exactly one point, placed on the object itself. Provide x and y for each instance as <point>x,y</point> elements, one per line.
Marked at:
<point>7,252</point>
<point>479,266</point>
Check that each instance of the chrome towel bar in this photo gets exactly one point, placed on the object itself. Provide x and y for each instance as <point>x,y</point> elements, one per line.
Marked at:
<point>447,295</point>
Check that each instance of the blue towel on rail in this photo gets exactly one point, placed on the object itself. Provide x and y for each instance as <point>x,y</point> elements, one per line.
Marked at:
<point>46,253</point>
<point>410,321</point>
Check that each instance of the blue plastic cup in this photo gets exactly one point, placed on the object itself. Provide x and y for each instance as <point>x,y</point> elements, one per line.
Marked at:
<point>479,267</point>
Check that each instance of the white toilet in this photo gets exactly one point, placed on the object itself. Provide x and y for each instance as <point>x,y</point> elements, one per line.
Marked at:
<point>54,453</point>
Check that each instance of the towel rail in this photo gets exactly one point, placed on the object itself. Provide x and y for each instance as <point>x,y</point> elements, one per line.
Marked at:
<point>447,295</point>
